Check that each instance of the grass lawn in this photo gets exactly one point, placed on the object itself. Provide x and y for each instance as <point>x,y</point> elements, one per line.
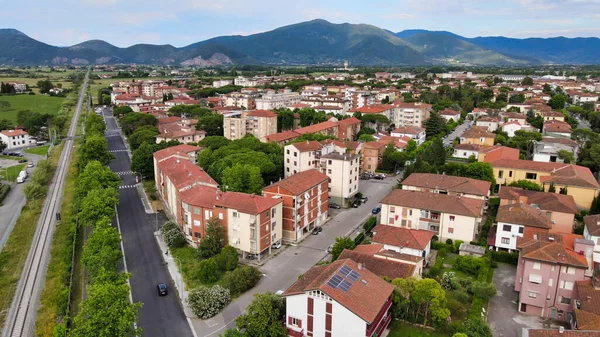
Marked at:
<point>189,264</point>
<point>401,329</point>
<point>39,150</point>
<point>12,172</point>
<point>37,103</point>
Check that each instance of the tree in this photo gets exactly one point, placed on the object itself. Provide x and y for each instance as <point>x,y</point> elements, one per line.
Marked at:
<point>212,124</point>
<point>557,102</point>
<point>551,188</point>
<point>481,171</point>
<point>340,244</point>
<point>174,237</point>
<point>96,176</point>
<point>133,120</point>
<point>208,271</point>
<point>122,110</point>
<point>99,203</point>
<point>2,144</point>
<point>263,317</point>
<point>206,302</point>
<point>45,86</point>
<point>430,296</point>
<point>32,121</point>
<point>567,156</point>
<point>234,333</point>
<point>143,134</point>
<point>227,258</point>
<point>5,124</point>
<point>517,98</point>
<point>240,279</point>
<point>526,185</point>
<point>435,125</point>
<point>142,160</point>
<point>527,81</point>
<point>483,289</point>
<point>242,178</point>
<point>563,190</point>
<point>107,311</point>
<point>4,105</point>
<point>213,240</point>
<point>435,154</point>
<point>476,327</point>
<point>95,148</point>
<point>102,250</point>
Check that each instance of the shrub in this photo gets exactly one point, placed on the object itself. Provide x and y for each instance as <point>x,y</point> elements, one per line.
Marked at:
<point>34,191</point>
<point>485,290</point>
<point>457,244</point>
<point>476,327</point>
<point>506,257</point>
<point>455,306</point>
<point>227,259</point>
<point>447,278</point>
<point>461,296</point>
<point>359,239</point>
<point>370,224</point>
<point>4,189</point>
<point>448,241</point>
<point>174,238</point>
<point>442,252</point>
<point>206,302</point>
<point>240,280</point>
<point>468,264</point>
<point>168,226</point>
<point>208,271</point>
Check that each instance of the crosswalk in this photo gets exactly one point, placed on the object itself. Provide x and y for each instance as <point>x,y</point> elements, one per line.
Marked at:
<point>112,135</point>
<point>113,151</point>
<point>127,186</point>
<point>125,173</point>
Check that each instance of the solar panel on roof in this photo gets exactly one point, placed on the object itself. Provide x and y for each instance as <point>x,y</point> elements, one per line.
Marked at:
<point>345,285</point>
<point>353,276</point>
<point>345,270</point>
<point>335,281</point>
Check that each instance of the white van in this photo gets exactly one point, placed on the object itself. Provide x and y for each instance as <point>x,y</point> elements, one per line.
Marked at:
<point>20,179</point>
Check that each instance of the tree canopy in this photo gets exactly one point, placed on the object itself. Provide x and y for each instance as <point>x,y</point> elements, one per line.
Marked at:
<point>263,317</point>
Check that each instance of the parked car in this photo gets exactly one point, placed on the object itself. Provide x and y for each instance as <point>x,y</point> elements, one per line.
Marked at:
<point>252,256</point>
<point>376,210</point>
<point>317,230</point>
<point>22,160</point>
<point>365,176</point>
<point>364,199</point>
<point>379,176</point>
<point>162,289</point>
<point>356,203</point>
<point>30,165</point>
<point>334,205</point>
<point>276,245</point>
<point>13,154</point>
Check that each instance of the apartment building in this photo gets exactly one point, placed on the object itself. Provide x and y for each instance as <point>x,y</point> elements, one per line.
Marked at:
<point>372,155</point>
<point>221,83</point>
<point>305,198</point>
<point>14,138</point>
<point>240,100</point>
<point>448,216</point>
<point>242,81</point>
<point>411,114</point>
<point>327,128</point>
<point>274,100</point>
<point>342,298</point>
<point>302,156</point>
<point>478,136</point>
<point>415,133</point>
<point>182,130</point>
<point>445,184</point>
<point>518,221</point>
<point>348,128</point>
<point>549,266</point>
<point>591,232</point>
<point>259,123</point>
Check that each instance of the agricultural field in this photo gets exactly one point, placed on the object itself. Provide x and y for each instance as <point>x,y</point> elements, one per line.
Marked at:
<point>32,82</point>
<point>36,103</point>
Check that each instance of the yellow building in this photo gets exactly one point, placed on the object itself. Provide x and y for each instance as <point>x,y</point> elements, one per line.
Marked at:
<point>578,181</point>
<point>478,135</point>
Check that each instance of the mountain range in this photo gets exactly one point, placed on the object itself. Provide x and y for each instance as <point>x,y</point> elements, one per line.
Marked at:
<point>315,42</point>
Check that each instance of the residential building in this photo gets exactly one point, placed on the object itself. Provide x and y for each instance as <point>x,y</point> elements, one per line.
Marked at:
<point>488,122</point>
<point>302,156</point>
<point>548,268</point>
<point>557,128</point>
<point>272,100</point>
<point>221,83</point>
<point>446,184</point>
<point>582,97</point>
<point>242,81</point>
<point>348,128</point>
<point>384,262</point>
<point>553,116</point>
<point>416,133</point>
<point>478,136</point>
<point>449,115</point>
<point>560,209</point>
<point>372,155</point>
<point>240,100</point>
<point>327,128</point>
<point>586,311</point>
<point>282,138</point>
<point>14,138</point>
<point>491,153</point>
<point>558,332</point>
<point>342,298</point>
<point>465,151</point>
<point>403,240</point>
<point>577,181</point>
<point>512,127</point>
<point>547,149</point>
<point>448,216</point>
<point>305,202</point>
<point>591,231</point>
<point>518,221</point>
<point>259,123</point>
<point>411,114</point>
<point>182,130</point>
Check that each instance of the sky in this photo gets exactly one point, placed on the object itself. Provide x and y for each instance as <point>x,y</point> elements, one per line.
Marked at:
<point>182,22</point>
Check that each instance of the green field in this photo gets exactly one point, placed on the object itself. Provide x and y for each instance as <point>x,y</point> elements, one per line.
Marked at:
<point>39,150</point>
<point>36,103</point>
<point>32,82</point>
<point>11,172</point>
<point>401,329</point>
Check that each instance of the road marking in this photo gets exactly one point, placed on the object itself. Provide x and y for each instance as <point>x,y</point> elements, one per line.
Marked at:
<point>211,323</point>
<point>127,186</point>
<point>117,151</point>
<point>124,173</point>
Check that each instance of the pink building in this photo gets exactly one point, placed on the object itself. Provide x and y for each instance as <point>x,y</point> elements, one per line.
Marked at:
<point>548,268</point>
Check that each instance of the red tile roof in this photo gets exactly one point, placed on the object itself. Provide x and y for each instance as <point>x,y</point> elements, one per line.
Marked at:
<point>552,248</point>
<point>262,113</point>
<point>435,202</point>
<point>547,201</point>
<point>449,112</point>
<point>199,195</point>
<point>183,173</point>
<point>477,132</point>
<point>181,150</point>
<point>448,183</point>
<point>402,237</point>
<point>282,136</point>
<point>364,299</point>
<point>556,333</point>
<point>389,268</point>
<point>375,145</point>
<point>317,127</point>
<point>409,130</point>
<point>592,223</point>
<point>166,120</point>
<point>309,145</point>
<point>349,121</point>
<point>563,174</point>
<point>246,203</point>
<point>557,126</point>
<point>373,109</point>
<point>13,133</point>
<point>523,214</point>
<point>298,183</point>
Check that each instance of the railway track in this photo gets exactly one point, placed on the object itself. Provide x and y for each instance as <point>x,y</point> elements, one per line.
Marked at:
<point>20,320</point>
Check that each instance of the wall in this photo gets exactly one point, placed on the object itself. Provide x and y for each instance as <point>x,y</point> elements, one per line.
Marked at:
<point>511,235</point>
<point>465,227</point>
<point>583,197</point>
<point>563,222</point>
<point>465,153</point>
<point>517,174</point>
<point>345,323</point>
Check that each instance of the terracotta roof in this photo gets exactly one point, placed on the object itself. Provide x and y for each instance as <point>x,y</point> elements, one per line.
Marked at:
<point>592,223</point>
<point>199,195</point>
<point>435,202</point>
<point>309,145</point>
<point>391,269</point>
<point>572,175</point>
<point>373,248</point>
<point>546,200</point>
<point>488,119</point>
<point>166,120</point>
<point>299,182</point>
<point>402,237</point>
<point>364,299</point>
<point>552,113</point>
<point>375,145</point>
<point>373,109</point>
<point>282,136</point>
<point>477,132</point>
<point>557,126</point>
<point>181,150</point>
<point>349,121</point>
<point>412,105</point>
<point>12,133</point>
<point>587,320</point>
<point>317,127</point>
<point>262,113</point>
<point>449,112</point>
<point>559,140</point>
<point>470,147</point>
<point>448,183</point>
<point>183,173</point>
<point>556,333</point>
<point>589,297</point>
<point>409,130</point>
<point>246,203</point>
<point>523,214</point>
<point>552,248</point>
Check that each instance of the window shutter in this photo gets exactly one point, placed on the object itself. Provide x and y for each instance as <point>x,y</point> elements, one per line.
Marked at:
<point>300,324</point>
<point>289,320</point>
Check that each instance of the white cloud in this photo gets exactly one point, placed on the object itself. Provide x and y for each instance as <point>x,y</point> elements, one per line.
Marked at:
<point>142,18</point>
<point>399,16</point>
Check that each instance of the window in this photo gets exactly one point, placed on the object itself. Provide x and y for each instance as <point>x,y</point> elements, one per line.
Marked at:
<point>220,216</point>
<point>287,151</point>
<point>273,212</point>
<point>329,162</point>
<point>565,300</point>
<point>328,171</point>
<point>521,229</point>
<point>410,212</point>
<point>537,266</point>
<point>452,217</point>
<point>532,176</point>
<point>235,214</point>
<point>288,160</point>
<point>273,225</point>
<point>267,214</point>
<point>569,270</point>
<point>196,210</point>
<point>550,282</point>
<point>393,210</point>
<point>532,294</point>
<point>505,241</point>
<point>287,169</point>
<point>510,174</point>
<point>295,154</point>
<point>267,240</point>
<point>295,163</point>
<point>566,285</point>
<point>295,321</point>
<point>450,230</point>
<point>500,174</point>
<point>197,235</point>
<point>506,228</point>
<point>535,279</point>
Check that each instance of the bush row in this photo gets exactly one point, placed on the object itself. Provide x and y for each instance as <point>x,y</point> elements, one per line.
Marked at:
<point>506,257</point>
<point>4,189</point>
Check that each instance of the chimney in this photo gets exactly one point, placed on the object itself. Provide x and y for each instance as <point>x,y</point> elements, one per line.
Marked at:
<point>588,299</point>
<point>360,266</point>
<point>561,329</point>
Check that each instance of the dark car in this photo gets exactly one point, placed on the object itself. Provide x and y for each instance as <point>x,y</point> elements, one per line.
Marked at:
<point>380,176</point>
<point>356,203</point>
<point>376,210</point>
<point>162,289</point>
<point>334,205</point>
<point>364,199</point>
<point>22,160</point>
<point>317,230</point>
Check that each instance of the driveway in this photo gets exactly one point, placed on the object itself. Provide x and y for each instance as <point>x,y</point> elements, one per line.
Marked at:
<point>283,270</point>
<point>503,317</point>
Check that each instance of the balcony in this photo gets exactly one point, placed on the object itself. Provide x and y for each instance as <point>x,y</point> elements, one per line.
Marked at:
<point>294,333</point>
<point>381,321</point>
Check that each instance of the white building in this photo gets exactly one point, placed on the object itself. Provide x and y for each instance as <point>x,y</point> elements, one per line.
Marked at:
<point>450,115</point>
<point>416,133</point>
<point>242,81</point>
<point>514,220</point>
<point>591,231</point>
<point>14,138</point>
<point>402,240</point>
<point>340,299</point>
<point>272,100</point>
<point>221,83</point>
<point>489,122</point>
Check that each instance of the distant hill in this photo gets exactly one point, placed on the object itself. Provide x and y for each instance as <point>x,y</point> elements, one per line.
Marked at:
<point>315,42</point>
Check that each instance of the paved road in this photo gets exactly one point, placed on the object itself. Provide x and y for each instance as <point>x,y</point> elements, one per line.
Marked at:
<point>159,316</point>
<point>456,133</point>
<point>283,270</point>
<point>13,203</point>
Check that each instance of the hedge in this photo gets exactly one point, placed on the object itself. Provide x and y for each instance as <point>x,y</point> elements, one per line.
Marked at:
<point>506,257</point>
<point>359,239</point>
<point>4,189</point>
<point>370,224</point>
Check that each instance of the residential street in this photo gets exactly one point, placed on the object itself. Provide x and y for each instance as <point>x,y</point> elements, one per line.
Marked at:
<point>456,133</point>
<point>283,270</point>
<point>159,316</point>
